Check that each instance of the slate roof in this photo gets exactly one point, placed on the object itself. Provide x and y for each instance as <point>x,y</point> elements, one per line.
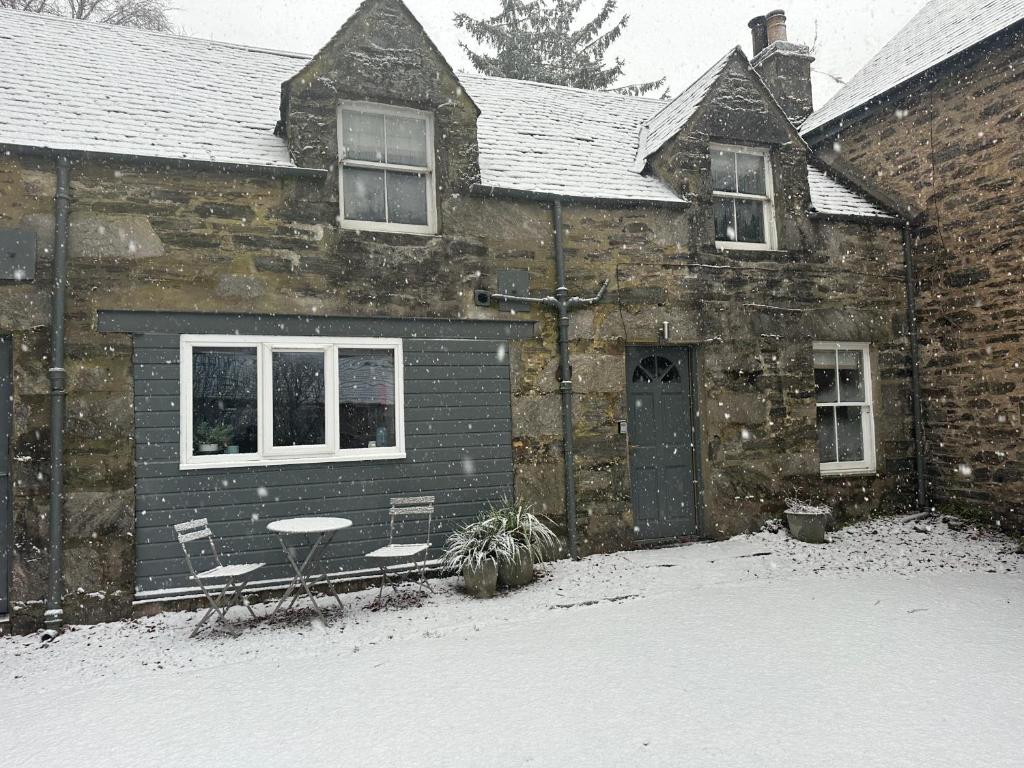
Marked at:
<point>941,30</point>
<point>667,122</point>
<point>830,197</point>
<point>121,91</point>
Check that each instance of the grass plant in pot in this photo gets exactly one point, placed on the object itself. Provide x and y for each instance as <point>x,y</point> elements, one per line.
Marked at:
<point>475,550</point>
<point>532,537</point>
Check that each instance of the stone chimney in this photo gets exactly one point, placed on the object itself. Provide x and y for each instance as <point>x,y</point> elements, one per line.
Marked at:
<point>785,67</point>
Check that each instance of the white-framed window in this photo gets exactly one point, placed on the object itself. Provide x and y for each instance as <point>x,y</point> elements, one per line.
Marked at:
<point>387,168</point>
<point>248,400</point>
<point>842,390</point>
<point>741,184</point>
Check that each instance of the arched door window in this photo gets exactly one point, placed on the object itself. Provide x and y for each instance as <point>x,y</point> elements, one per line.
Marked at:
<point>655,369</point>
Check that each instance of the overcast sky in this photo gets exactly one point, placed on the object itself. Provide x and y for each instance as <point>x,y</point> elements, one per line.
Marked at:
<point>676,38</point>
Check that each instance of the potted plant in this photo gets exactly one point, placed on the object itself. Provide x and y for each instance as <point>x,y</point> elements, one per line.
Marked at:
<point>211,438</point>
<point>533,540</point>
<point>475,550</point>
<point>807,522</point>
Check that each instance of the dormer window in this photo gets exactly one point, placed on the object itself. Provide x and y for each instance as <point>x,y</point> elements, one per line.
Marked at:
<point>387,168</point>
<point>741,182</point>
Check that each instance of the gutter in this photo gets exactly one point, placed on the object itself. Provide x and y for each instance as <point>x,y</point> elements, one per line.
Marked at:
<point>487,190</point>
<point>54,615</point>
<point>564,305</point>
<point>176,162</point>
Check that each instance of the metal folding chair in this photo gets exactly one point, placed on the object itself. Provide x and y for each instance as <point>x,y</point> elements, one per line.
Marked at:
<point>235,577</point>
<point>409,554</point>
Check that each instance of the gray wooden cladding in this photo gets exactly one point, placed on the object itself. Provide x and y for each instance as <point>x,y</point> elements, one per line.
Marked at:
<point>458,445</point>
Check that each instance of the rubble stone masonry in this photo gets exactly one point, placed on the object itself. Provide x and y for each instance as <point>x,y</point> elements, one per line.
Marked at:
<point>950,145</point>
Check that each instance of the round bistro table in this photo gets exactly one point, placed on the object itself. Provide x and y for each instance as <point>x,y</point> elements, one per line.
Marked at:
<point>324,528</point>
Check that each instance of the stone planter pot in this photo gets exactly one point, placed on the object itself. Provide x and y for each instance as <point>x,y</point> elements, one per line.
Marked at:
<point>808,527</point>
<point>519,572</point>
<point>481,582</point>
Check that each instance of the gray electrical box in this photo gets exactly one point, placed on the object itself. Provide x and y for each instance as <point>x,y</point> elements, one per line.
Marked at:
<point>514,282</point>
<point>17,254</point>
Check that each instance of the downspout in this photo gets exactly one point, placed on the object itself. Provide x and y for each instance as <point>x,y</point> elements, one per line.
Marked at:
<point>563,304</point>
<point>54,616</point>
<point>915,367</point>
<point>565,380</point>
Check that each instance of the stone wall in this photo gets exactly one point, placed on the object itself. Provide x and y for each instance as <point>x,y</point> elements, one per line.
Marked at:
<point>203,239</point>
<point>950,145</point>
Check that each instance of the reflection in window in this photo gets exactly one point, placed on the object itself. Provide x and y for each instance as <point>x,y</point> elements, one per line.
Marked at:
<point>742,201</point>
<point>224,401</point>
<point>366,398</point>
<point>842,393</point>
<point>299,398</point>
<point>387,167</point>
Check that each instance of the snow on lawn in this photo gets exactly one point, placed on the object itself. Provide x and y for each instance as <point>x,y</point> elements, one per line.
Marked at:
<point>890,647</point>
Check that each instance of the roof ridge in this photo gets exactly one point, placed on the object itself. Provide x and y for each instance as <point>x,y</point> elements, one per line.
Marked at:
<point>612,94</point>
<point>47,18</point>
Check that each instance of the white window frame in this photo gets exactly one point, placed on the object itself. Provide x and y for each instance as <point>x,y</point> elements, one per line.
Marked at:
<point>868,465</point>
<point>771,237</point>
<point>267,454</point>
<point>430,228</point>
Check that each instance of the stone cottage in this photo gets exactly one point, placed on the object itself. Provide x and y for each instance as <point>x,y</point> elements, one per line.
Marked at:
<point>933,124</point>
<point>246,285</point>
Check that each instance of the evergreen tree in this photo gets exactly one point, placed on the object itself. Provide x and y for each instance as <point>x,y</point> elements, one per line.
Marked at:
<point>536,40</point>
<point>143,14</point>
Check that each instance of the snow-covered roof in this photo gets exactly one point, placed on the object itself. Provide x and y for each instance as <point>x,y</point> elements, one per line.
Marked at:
<point>941,30</point>
<point>78,85</point>
<point>667,122</point>
<point>81,86</point>
<point>550,139</point>
<point>832,198</point>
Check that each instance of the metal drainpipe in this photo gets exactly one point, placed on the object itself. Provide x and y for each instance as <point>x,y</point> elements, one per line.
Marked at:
<point>915,367</point>
<point>563,305</point>
<point>54,616</point>
<point>565,380</point>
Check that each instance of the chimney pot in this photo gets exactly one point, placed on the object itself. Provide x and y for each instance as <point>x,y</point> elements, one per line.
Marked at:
<point>776,23</point>
<point>759,33</point>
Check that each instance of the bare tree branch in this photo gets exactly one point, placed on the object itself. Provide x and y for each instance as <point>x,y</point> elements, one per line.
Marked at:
<point>142,14</point>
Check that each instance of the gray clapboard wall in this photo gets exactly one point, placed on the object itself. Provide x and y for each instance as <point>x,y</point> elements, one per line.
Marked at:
<point>458,445</point>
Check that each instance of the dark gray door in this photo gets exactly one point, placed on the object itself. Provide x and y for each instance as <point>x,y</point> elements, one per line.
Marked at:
<point>661,441</point>
<point>6,417</point>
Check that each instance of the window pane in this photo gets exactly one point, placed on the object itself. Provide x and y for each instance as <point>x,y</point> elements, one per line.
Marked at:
<point>750,221</point>
<point>851,377</point>
<point>407,198</point>
<point>407,141</point>
<point>725,223</point>
<point>723,171</point>
<point>750,169</point>
<point>298,384</point>
<point>362,136</point>
<point>223,401</point>
<point>364,194</point>
<point>826,435</point>
<point>366,398</point>
<point>850,433</point>
<point>825,389</point>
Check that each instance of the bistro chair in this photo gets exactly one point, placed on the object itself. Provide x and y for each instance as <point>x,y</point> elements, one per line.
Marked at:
<point>391,557</point>
<point>234,577</point>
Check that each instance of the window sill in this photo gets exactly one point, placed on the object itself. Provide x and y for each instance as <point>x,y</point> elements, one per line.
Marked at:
<point>848,472</point>
<point>234,463</point>
<point>391,229</point>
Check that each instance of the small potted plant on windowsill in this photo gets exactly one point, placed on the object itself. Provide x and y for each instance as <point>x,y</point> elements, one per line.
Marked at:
<point>534,541</point>
<point>211,438</point>
<point>808,522</point>
<point>475,550</point>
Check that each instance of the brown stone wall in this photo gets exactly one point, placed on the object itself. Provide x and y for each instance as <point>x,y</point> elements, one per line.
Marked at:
<point>951,146</point>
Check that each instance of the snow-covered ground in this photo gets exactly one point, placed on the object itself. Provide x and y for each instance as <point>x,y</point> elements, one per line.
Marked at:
<point>890,647</point>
